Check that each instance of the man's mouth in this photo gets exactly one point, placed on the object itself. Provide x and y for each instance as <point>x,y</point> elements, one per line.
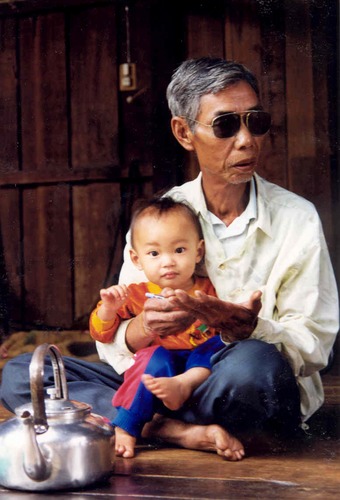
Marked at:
<point>246,163</point>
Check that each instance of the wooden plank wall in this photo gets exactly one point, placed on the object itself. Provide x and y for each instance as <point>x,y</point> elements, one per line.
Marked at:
<point>75,151</point>
<point>63,179</point>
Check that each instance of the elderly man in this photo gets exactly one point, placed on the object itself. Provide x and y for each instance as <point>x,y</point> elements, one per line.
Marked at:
<point>277,305</point>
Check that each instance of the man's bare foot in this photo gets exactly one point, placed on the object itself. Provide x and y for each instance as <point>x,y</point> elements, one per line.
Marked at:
<point>173,391</point>
<point>3,352</point>
<point>124,443</point>
<point>195,437</point>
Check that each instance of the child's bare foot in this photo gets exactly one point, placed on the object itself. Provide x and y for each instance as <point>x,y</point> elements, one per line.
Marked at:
<point>195,437</point>
<point>173,391</point>
<point>124,443</point>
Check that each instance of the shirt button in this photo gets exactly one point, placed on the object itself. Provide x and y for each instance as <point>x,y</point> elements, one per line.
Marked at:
<point>222,266</point>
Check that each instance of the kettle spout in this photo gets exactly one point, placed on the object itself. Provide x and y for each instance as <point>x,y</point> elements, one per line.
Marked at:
<point>36,466</point>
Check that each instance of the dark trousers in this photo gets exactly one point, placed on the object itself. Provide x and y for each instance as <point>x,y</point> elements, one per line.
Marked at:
<point>251,387</point>
<point>136,405</point>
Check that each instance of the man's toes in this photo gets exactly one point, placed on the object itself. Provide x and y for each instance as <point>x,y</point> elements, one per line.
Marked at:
<point>128,453</point>
<point>120,450</point>
<point>232,455</point>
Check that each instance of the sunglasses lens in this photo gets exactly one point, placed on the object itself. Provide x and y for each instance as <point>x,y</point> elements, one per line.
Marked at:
<point>226,125</point>
<point>258,122</point>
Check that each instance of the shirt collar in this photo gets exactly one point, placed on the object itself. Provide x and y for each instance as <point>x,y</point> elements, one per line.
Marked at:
<point>263,210</point>
<point>240,223</point>
<point>251,209</point>
<point>195,196</point>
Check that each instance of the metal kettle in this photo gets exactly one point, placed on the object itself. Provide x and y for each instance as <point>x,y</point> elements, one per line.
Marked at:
<point>53,443</point>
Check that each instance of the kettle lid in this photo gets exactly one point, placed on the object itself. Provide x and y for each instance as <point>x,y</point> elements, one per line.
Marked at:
<point>66,407</point>
<point>60,409</point>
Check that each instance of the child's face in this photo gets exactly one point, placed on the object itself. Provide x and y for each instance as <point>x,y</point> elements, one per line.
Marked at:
<point>167,249</point>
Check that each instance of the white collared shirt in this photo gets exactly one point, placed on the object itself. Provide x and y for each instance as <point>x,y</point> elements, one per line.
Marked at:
<point>283,254</point>
<point>233,236</point>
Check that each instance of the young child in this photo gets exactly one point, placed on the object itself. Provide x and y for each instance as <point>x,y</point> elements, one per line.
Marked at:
<point>167,244</point>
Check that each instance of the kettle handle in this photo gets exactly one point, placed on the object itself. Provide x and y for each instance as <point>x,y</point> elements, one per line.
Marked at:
<point>36,370</point>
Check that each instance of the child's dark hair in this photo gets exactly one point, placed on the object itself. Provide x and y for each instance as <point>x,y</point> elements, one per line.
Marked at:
<point>162,205</point>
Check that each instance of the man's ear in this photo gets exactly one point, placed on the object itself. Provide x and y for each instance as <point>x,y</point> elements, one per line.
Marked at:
<point>135,259</point>
<point>182,132</point>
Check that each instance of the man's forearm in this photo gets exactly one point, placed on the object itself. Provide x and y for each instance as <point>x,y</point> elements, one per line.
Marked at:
<point>136,337</point>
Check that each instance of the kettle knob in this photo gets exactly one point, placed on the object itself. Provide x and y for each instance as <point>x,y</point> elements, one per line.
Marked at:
<point>52,392</point>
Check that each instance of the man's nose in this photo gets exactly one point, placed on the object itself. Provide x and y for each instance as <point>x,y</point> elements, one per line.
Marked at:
<point>243,137</point>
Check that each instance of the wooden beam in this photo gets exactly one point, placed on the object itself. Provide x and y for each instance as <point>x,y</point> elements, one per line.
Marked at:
<point>8,101</point>
<point>300,97</point>
<point>59,175</point>
<point>43,92</point>
<point>98,241</point>
<point>205,35</point>
<point>93,86</point>
<point>15,7</point>
<point>47,258</point>
<point>243,34</point>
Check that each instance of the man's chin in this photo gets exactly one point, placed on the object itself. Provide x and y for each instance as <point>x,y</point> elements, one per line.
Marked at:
<point>240,179</point>
<point>235,178</point>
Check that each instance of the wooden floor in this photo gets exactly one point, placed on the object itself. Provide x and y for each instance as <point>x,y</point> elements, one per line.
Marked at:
<point>309,468</point>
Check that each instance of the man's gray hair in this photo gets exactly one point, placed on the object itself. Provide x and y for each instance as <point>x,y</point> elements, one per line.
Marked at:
<point>197,77</point>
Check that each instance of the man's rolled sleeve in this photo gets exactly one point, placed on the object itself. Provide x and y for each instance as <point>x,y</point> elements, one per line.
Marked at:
<point>116,353</point>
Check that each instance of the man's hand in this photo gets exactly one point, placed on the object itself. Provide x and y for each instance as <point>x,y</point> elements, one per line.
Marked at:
<point>158,319</point>
<point>162,317</point>
<point>235,321</point>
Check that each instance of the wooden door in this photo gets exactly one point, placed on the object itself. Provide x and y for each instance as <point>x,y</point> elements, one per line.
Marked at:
<point>64,201</point>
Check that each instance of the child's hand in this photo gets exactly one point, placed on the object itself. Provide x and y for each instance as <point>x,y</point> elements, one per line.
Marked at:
<point>112,299</point>
<point>114,296</point>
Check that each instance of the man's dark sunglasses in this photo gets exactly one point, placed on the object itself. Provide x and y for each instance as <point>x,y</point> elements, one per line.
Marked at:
<point>228,124</point>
